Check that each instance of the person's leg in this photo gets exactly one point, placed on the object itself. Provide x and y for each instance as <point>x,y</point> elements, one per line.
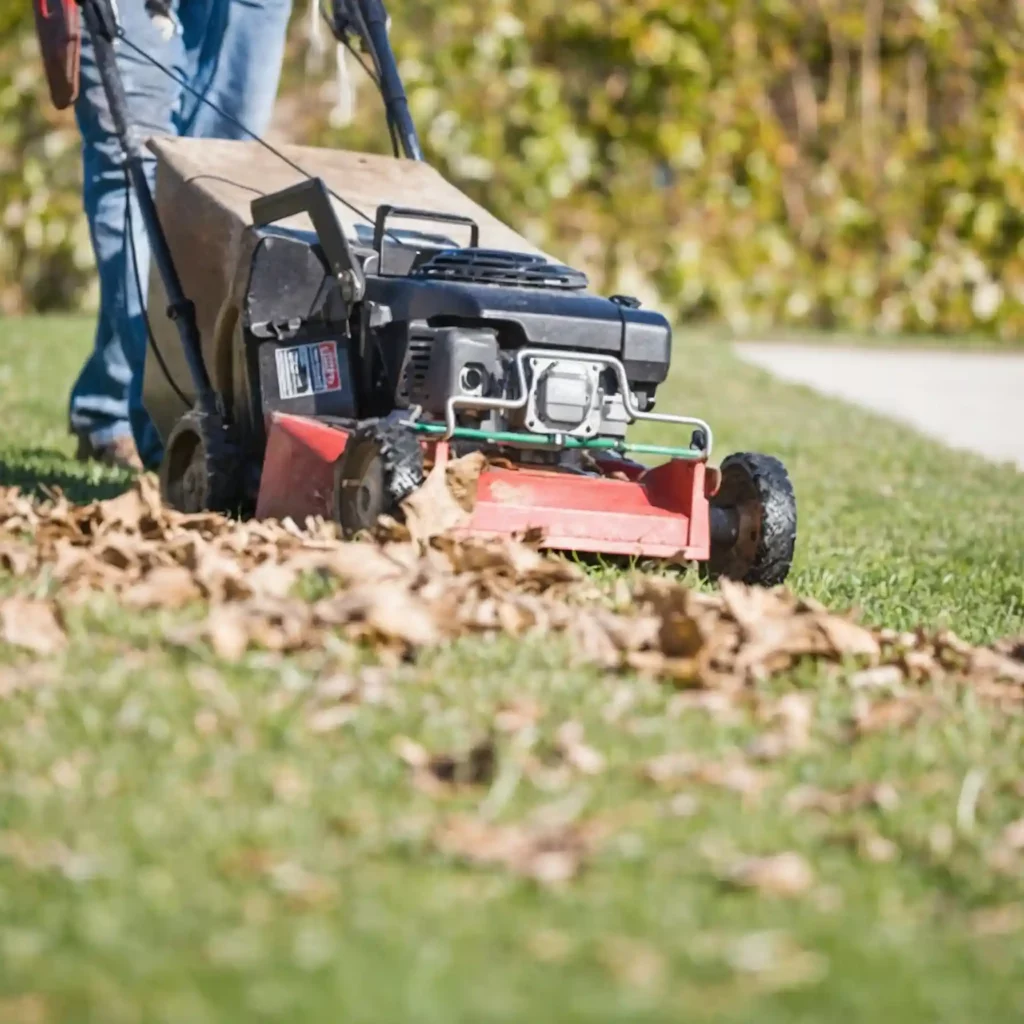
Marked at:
<point>238,68</point>
<point>100,398</point>
<point>232,51</point>
<point>98,410</point>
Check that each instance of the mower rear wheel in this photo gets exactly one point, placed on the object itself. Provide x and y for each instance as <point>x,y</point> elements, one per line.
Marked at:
<point>381,466</point>
<point>201,464</point>
<point>757,495</point>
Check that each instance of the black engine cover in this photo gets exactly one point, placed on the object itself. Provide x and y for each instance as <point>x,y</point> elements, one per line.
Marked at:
<point>306,351</point>
<point>536,316</point>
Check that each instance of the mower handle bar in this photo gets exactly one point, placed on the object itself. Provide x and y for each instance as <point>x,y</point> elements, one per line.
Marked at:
<point>371,22</point>
<point>411,213</point>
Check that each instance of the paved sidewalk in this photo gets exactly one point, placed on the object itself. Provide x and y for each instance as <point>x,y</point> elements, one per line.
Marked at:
<point>968,400</point>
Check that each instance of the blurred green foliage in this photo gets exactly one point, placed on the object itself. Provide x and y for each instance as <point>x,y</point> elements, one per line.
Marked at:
<point>854,163</point>
<point>46,260</point>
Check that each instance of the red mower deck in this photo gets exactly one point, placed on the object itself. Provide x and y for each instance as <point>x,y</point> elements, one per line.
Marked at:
<point>661,513</point>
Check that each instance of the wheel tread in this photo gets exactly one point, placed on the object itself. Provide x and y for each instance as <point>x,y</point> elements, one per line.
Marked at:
<point>222,492</point>
<point>401,463</point>
<point>777,543</point>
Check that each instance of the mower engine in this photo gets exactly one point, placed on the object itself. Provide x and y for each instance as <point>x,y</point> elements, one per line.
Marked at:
<point>517,345</point>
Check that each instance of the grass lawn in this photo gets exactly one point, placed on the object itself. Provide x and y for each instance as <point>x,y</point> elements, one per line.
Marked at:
<point>175,844</point>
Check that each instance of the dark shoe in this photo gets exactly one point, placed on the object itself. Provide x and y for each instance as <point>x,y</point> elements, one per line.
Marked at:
<point>120,453</point>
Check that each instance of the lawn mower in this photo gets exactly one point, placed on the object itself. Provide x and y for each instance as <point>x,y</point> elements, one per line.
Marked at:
<point>324,324</point>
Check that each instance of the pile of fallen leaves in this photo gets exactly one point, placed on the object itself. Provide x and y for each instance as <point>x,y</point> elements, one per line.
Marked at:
<point>279,587</point>
<point>412,592</point>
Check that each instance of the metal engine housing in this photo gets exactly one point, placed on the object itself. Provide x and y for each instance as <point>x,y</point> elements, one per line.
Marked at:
<point>563,395</point>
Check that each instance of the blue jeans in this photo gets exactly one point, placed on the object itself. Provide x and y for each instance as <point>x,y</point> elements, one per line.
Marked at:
<point>231,52</point>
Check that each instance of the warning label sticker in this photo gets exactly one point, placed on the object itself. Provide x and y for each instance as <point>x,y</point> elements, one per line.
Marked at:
<point>308,370</point>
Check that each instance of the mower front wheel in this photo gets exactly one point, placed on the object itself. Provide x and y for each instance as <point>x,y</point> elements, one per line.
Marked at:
<point>753,521</point>
<point>381,466</point>
<point>201,466</point>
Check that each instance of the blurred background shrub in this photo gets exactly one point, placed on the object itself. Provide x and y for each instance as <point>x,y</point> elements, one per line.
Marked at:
<point>854,164</point>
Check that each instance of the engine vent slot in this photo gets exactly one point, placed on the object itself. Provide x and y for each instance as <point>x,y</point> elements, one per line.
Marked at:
<point>495,267</point>
<point>417,363</point>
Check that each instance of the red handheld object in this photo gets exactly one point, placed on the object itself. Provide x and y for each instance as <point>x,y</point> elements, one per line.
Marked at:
<point>59,30</point>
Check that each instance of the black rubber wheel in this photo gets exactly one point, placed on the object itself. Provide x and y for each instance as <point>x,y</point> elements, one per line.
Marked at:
<point>381,466</point>
<point>758,488</point>
<point>201,467</point>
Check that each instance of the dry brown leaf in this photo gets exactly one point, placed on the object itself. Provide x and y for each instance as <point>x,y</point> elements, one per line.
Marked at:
<point>791,717</point>
<point>671,767</point>
<point>631,962</point>
<point>881,796</point>
<point>125,511</point>
<point>272,579</point>
<point>462,476</point>
<point>433,510</point>
<point>847,638</point>
<point>171,587</point>
<point>680,635</point>
<point>302,888</point>
<point>550,855</point>
<point>811,798</point>
<point>998,666</point>
<point>941,840</point>
<point>361,562</point>
<point>434,772</point>
<point>17,558</point>
<point>518,715</point>
<point>414,754</point>
<point>570,743</point>
<point>921,664</point>
<point>1010,647</point>
<point>18,679</point>
<point>389,610</point>
<point>884,715</point>
<point>340,686</point>
<point>227,629</point>
<point>775,962</point>
<point>683,805</point>
<point>402,594</point>
<point>875,847</point>
<point>28,1008</point>
<point>326,720</point>
<point>882,677</point>
<point>720,705</point>
<point>734,775</point>
<point>770,746</point>
<point>782,874</point>
<point>592,642</point>
<point>1013,835</point>
<point>220,575</point>
<point>998,921</point>
<point>32,625</point>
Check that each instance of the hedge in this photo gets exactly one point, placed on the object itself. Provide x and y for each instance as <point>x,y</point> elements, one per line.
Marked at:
<point>824,163</point>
